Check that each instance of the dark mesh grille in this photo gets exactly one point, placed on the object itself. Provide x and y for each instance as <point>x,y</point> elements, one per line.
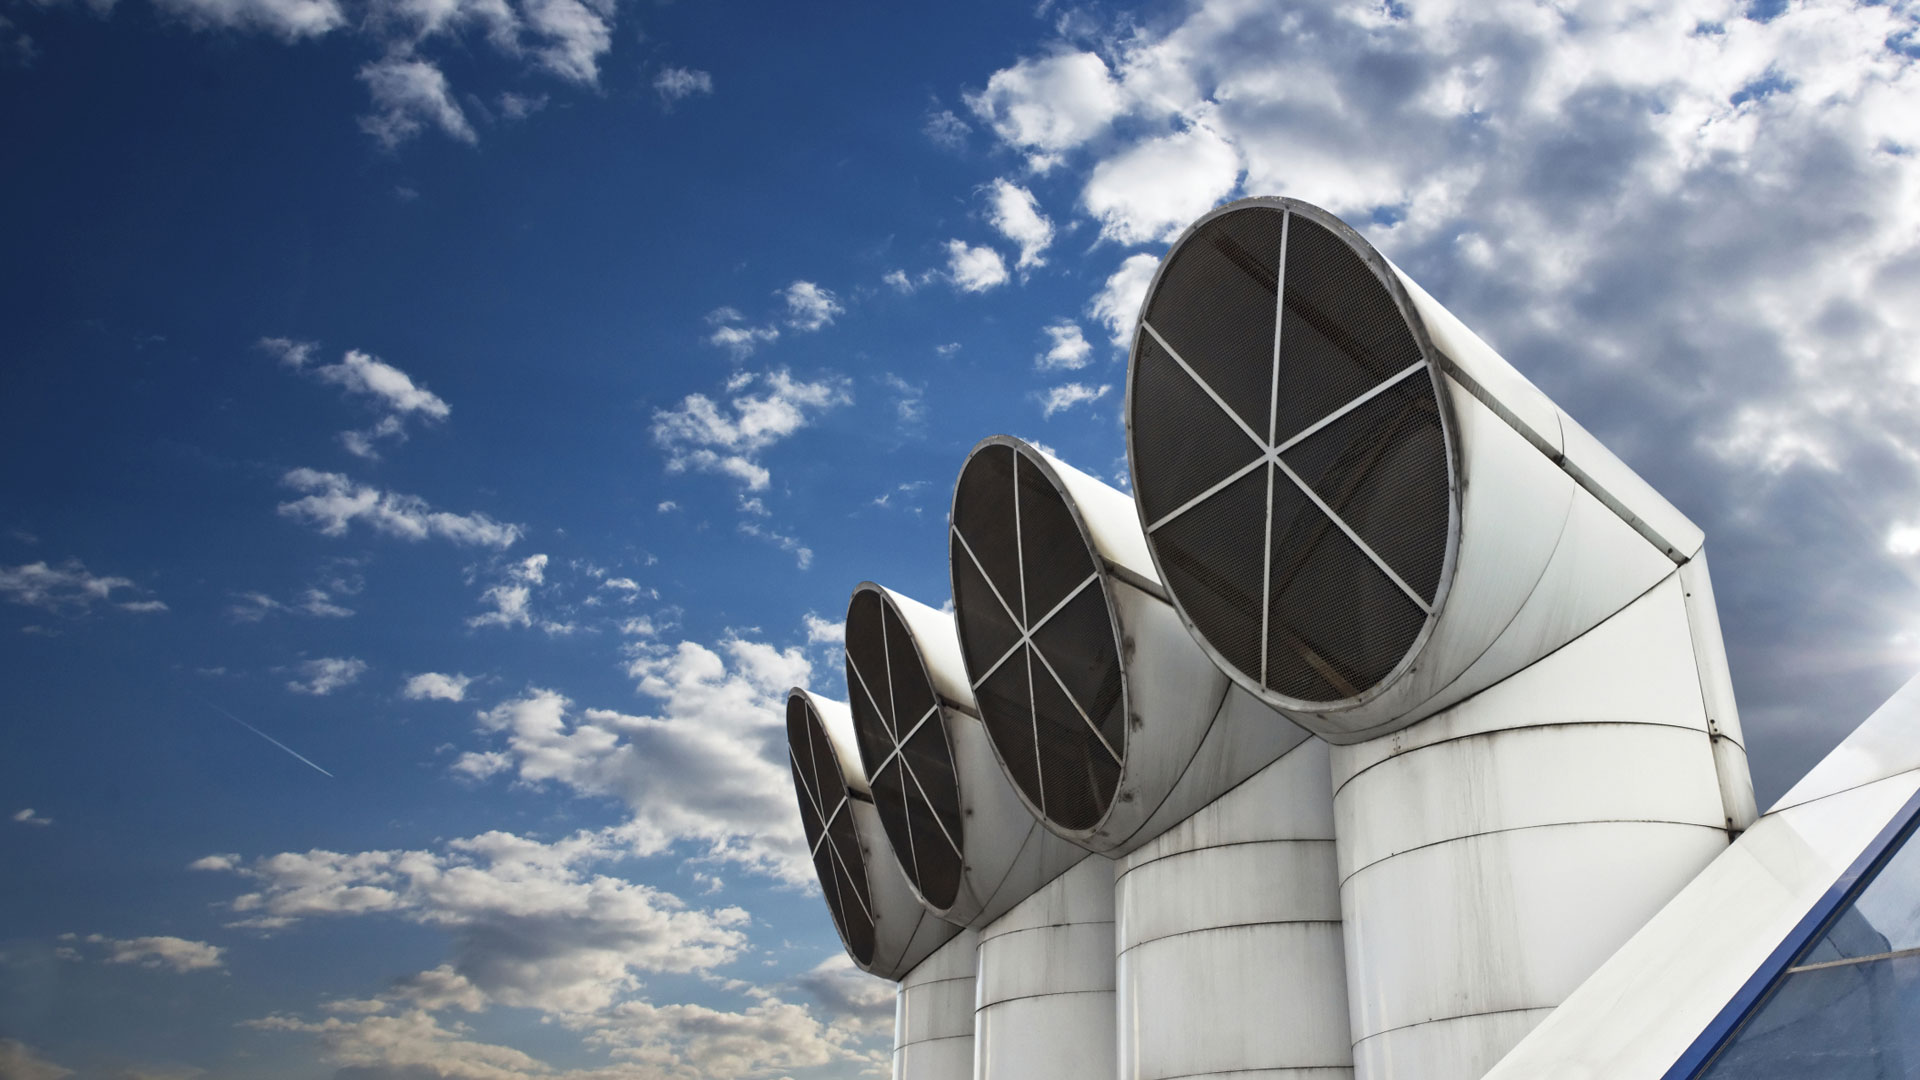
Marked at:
<point>1335,624</point>
<point>867,680</point>
<point>837,857</point>
<point>1383,469</point>
<point>1193,444</point>
<point>919,783</point>
<point>1073,778</point>
<point>1211,558</point>
<point>983,500</point>
<point>1007,711</point>
<point>1078,642</point>
<point>1215,307</point>
<point>1078,773</point>
<point>1052,550</point>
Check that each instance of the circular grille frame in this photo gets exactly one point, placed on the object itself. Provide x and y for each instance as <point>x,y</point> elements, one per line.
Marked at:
<point>1434,364</point>
<point>1102,574</point>
<point>914,803</point>
<point>814,816</point>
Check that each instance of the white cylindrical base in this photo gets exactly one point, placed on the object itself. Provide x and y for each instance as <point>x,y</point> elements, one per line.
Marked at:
<point>1228,932</point>
<point>1494,855</point>
<point>1044,999</point>
<point>933,1014</point>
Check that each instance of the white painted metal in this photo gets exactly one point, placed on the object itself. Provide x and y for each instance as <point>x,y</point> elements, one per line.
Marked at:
<point>1007,852</point>
<point>1228,936</point>
<point>1191,734</point>
<point>904,931</point>
<point>1494,855</point>
<point>1635,1016</point>
<point>1044,1004</point>
<point>933,1014</point>
<point>1716,692</point>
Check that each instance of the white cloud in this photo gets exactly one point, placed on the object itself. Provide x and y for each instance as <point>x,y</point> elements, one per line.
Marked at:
<point>946,129</point>
<point>1118,302</point>
<point>974,269</point>
<point>810,307</point>
<point>857,1000</point>
<point>909,401</point>
<point>639,626</point>
<point>822,632</point>
<point>252,607</point>
<point>289,19</point>
<point>696,1042</point>
<point>512,596</point>
<point>1048,105</point>
<point>409,94</point>
<point>28,817</point>
<point>18,1061</point>
<point>293,354</point>
<point>572,36</point>
<point>666,506</point>
<point>1153,190</point>
<point>1017,215</point>
<point>1068,395</point>
<point>179,954</point>
<point>899,282</point>
<point>1069,351</point>
<point>67,589</point>
<point>676,84</point>
<point>730,332</point>
<point>334,502</point>
<point>391,389</point>
<point>701,436</point>
<point>434,686</point>
<point>326,674</point>
<point>534,925</point>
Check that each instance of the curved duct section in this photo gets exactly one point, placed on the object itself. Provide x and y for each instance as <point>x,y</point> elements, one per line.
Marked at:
<point>1377,526</point>
<point>886,930</point>
<point>933,1014</point>
<point>960,833</point>
<point>1044,1000</point>
<point>1362,512</point>
<point>1109,719</point>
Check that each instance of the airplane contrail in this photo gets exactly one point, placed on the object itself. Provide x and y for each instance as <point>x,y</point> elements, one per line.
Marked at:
<point>267,737</point>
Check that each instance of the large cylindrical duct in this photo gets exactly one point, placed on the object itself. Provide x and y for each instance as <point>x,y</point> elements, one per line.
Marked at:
<point>1371,521</point>
<point>1044,996</point>
<point>1228,936</point>
<point>933,1014</point>
<point>885,928</point>
<point>967,844</point>
<point>1116,729</point>
<point>1111,721</point>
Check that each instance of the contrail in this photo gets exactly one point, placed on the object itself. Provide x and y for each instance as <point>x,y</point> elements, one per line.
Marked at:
<point>267,737</point>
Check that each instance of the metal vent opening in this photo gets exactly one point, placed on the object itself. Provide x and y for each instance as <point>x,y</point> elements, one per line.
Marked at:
<point>1288,451</point>
<point>903,744</point>
<point>832,839</point>
<point>1038,637</point>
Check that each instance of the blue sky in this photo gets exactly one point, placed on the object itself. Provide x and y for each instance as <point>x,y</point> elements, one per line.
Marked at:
<point>440,430</point>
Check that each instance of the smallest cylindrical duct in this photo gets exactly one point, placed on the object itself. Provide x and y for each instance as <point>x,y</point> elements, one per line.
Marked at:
<point>967,844</point>
<point>1111,721</point>
<point>886,930</point>
<point>1044,1002</point>
<point>933,1014</point>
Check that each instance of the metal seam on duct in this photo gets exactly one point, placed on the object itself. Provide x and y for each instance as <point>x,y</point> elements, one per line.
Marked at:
<point>1525,828</point>
<point>1144,863</point>
<point>1226,926</point>
<point>1456,1017</point>
<point>1451,739</point>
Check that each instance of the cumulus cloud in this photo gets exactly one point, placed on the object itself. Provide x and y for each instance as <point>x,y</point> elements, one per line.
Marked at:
<point>1066,396</point>
<point>333,503</point>
<point>290,20</point>
<point>1118,303</point>
<point>732,333</point>
<point>1048,105</point>
<point>703,436</point>
<point>326,674</point>
<point>810,307</point>
<point>511,598</point>
<point>1154,189</point>
<point>28,817</point>
<point>253,607</point>
<point>974,269</point>
<point>533,924</point>
<point>410,95</point>
<point>434,686</point>
<point>369,377</point>
<point>824,632</point>
<point>1013,210</point>
<point>946,129</point>
<point>68,589</point>
<point>177,954</point>
<point>676,84</point>
<point>1069,351</point>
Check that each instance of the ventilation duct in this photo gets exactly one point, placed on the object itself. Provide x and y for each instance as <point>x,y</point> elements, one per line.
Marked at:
<point>883,925</point>
<point>1371,521</point>
<point>967,844</point>
<point>933,1014</point>
<point>1044,999</point>
<point>1109,719</point>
